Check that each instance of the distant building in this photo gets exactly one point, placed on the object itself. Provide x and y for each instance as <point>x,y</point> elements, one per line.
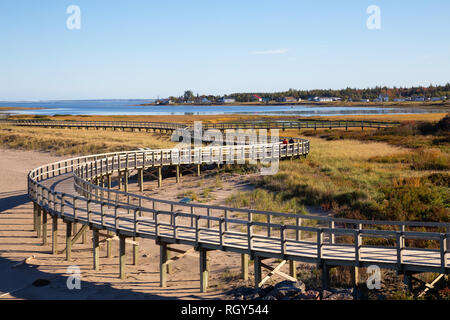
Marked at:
<point>439,98</point>
<point>323,99</point>
<point>289,99</point>
<point>365,100</point>
<point>419,98</point>
<point>226,100</point>
<point>383,97</point>
<point>399,100</point>
<point>205,100</point>
<point>256,98</point>
<point>164,101</point>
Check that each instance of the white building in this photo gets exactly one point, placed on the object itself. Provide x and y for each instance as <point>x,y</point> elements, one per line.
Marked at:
<point>439,98</point>
<point>383,97</point>
<point>227,100</point>
<point>323,99</point>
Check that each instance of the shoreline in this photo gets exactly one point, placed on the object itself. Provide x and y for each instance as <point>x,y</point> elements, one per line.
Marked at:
<point>391,104</point>
<point>236,117</point>
<point>20,108</point>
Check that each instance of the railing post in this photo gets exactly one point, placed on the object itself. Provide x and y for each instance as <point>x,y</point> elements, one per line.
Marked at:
<point>357,240</point>
<point>174,215</point>
<point>74,205</point>
<point>221,231</point>
<point>400,246</point>
<point>197,231</point>
<point>208,212</point>
<point>88,210</point>
<point>332,235</point>
<point>443,252</point>
<point>319,244</point>
<point>250,236</point>
<point>116,218</point>
<point>283,241</point>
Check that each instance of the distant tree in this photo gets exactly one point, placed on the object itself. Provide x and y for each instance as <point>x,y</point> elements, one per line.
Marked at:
<point>188,95</point>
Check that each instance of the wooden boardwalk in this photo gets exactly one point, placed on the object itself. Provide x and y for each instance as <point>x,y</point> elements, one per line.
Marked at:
<point>170,127</point>
<point>81,190</point>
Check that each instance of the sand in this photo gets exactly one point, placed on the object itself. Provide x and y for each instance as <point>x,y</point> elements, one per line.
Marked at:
<point>18,241</point>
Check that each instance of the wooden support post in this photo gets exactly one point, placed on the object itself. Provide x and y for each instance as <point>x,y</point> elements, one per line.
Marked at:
<point>204,273</point>
<point>127,173</point>
<point>68,240</point>
<point>141,179</point>
<point>122,256</point>
<point>35,228</point>
<point>198,170</point>
<point>39,222</point>
<point>407,280</point>
<point>163,265</point>
<point>354,276</point>
<point>135,252</point>
<point>293,268</point>
<point>159,177</point>
<point>108,245</point>
<point>120,179</point>
<point>178,173</point>
<point>109,181</point>
<point>83,237</point>
<point>258,274</point>
<point>96,249</point>
<point>55,234</point>
<point>325,276</point>
<point>244,266</point>
<point>169,265</point>
<point>44,227</point>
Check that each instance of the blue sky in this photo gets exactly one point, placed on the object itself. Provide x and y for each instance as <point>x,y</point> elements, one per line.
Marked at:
<point>145,49</point>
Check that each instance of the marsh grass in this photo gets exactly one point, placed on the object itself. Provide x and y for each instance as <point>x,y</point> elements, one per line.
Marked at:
<point>422,159</point>
<point>342,176</point>
<point>74,141</point>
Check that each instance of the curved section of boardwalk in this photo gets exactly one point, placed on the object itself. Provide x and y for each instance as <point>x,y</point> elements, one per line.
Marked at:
<point>80,190</point>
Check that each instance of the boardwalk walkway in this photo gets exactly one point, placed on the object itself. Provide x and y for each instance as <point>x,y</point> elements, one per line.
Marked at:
<point>80,190</point>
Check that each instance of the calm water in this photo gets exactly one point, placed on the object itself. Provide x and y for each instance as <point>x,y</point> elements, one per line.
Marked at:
<point>131,107</point>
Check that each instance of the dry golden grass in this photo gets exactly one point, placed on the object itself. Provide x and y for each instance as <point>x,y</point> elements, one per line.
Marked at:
<point>392,117</point>
<point>338,169</point>
<point>350,150</point>
<point>74,141</point>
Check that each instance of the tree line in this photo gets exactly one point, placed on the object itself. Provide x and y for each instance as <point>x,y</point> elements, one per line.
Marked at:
<point>354,94</point>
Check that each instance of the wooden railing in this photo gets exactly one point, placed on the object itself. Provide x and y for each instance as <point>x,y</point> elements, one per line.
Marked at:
<point>290,236</point>
<point>300,124</point>
<point>98,124</point>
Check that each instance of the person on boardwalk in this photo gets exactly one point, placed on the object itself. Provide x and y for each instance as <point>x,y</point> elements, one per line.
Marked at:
<point>285,143</point>
<point>291,144</point>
